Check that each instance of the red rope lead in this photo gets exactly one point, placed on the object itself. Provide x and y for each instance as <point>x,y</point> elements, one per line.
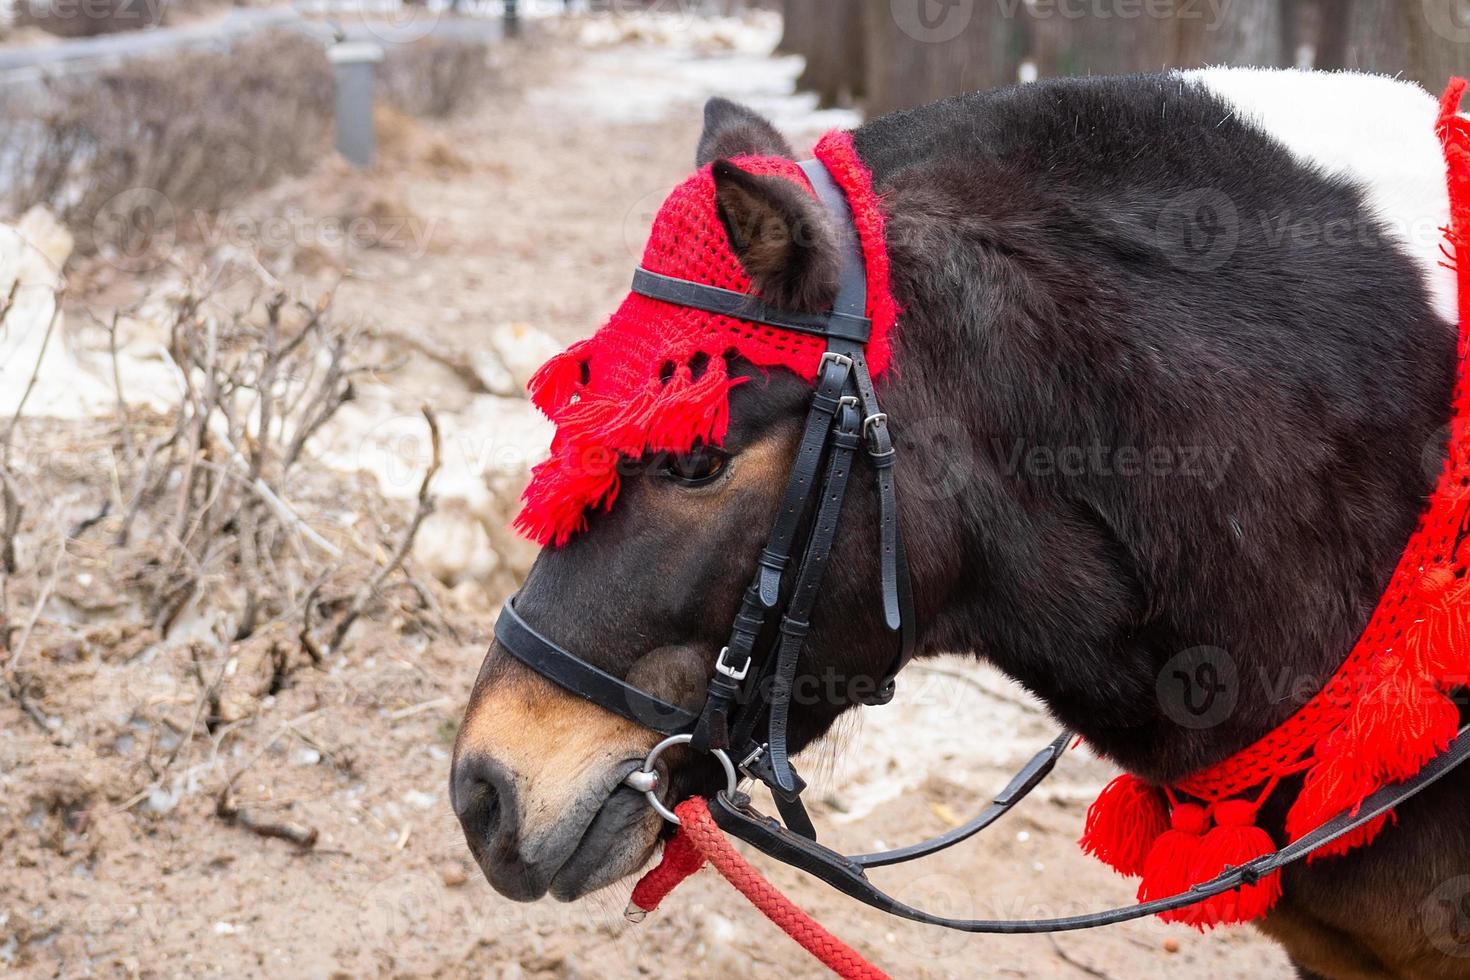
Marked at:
<point>700,840</point>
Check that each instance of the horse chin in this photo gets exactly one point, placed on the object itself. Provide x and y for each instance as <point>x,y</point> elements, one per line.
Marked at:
<point>619,841</point>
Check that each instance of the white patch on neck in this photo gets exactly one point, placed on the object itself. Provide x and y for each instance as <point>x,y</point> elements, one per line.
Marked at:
<point>1376,131</point>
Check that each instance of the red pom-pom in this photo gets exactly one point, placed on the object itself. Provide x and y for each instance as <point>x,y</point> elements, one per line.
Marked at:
<point>1169,867</point>
<point>1235,841</point>
<point>1123,823</point>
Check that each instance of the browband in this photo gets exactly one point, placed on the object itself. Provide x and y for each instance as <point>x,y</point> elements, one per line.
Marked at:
<point>745,306</point>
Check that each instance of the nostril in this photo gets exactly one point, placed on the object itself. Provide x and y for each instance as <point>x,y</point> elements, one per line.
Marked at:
<point>478,791</point>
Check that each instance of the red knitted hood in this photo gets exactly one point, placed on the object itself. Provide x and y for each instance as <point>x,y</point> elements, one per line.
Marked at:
<point>656,378</point>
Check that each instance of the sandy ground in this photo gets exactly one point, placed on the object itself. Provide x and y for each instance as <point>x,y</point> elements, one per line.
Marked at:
<point>531,209</point>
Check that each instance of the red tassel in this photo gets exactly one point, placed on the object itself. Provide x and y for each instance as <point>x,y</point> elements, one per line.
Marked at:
<point>1437,644</point>
<point>1235,841</point>
<point>561,490</point>
<point>1401,722</point>
<point>1449,104</point>
<point>556,381</point>
<point>1335,783</point>
<point>1170,863</point>
<point>691,410</point>
<point>1347,843</point>
<point>1123,823</point>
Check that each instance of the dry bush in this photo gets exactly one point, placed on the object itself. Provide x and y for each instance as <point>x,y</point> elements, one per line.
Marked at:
<point>434,77</point>
<point>117,154</point>
<point>199,550</point>
<point>216,529</point>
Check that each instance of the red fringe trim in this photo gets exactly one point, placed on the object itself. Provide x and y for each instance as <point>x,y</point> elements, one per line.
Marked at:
<point>593,433</point>
<point>553,386</point>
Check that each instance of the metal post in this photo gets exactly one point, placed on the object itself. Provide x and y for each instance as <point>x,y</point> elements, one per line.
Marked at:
<point>353,63</point>
<point>512,19</point>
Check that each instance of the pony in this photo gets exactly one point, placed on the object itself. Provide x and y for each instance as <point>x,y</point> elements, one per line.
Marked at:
<point>1173,361</point>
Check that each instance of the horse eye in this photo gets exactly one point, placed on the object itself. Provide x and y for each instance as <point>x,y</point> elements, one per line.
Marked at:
<point>694,468</point>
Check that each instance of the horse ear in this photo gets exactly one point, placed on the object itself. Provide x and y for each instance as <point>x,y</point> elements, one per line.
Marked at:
<point>781,235</point>
<point>732,130</point>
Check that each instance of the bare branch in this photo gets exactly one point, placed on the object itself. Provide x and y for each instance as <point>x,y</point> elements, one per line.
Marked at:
<point>8,495</point>
<point>424,509</point>
<point>5,441</point>
<point>302,836</point>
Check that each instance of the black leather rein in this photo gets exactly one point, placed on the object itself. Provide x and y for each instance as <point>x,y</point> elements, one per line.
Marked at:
<point>747,703</point>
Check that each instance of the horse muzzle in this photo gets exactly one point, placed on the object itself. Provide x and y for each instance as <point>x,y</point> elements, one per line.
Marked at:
<point>593,835</point>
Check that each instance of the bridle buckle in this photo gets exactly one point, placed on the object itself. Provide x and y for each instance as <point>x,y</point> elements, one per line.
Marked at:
<point>721,667</point>
<point>835,358</point>
<point>751,759</point>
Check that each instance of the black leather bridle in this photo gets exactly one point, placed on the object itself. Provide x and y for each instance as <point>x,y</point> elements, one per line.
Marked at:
<point>746,711</point>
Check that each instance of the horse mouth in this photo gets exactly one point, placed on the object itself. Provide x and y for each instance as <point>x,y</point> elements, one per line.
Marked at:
<point>571,847</point>
<point>619,841</point>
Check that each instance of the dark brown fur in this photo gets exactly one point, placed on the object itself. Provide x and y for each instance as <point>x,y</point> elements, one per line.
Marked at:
<point>1047,305</point>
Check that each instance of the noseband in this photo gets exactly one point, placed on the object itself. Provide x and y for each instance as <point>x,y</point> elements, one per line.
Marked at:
<point>746,711</point>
